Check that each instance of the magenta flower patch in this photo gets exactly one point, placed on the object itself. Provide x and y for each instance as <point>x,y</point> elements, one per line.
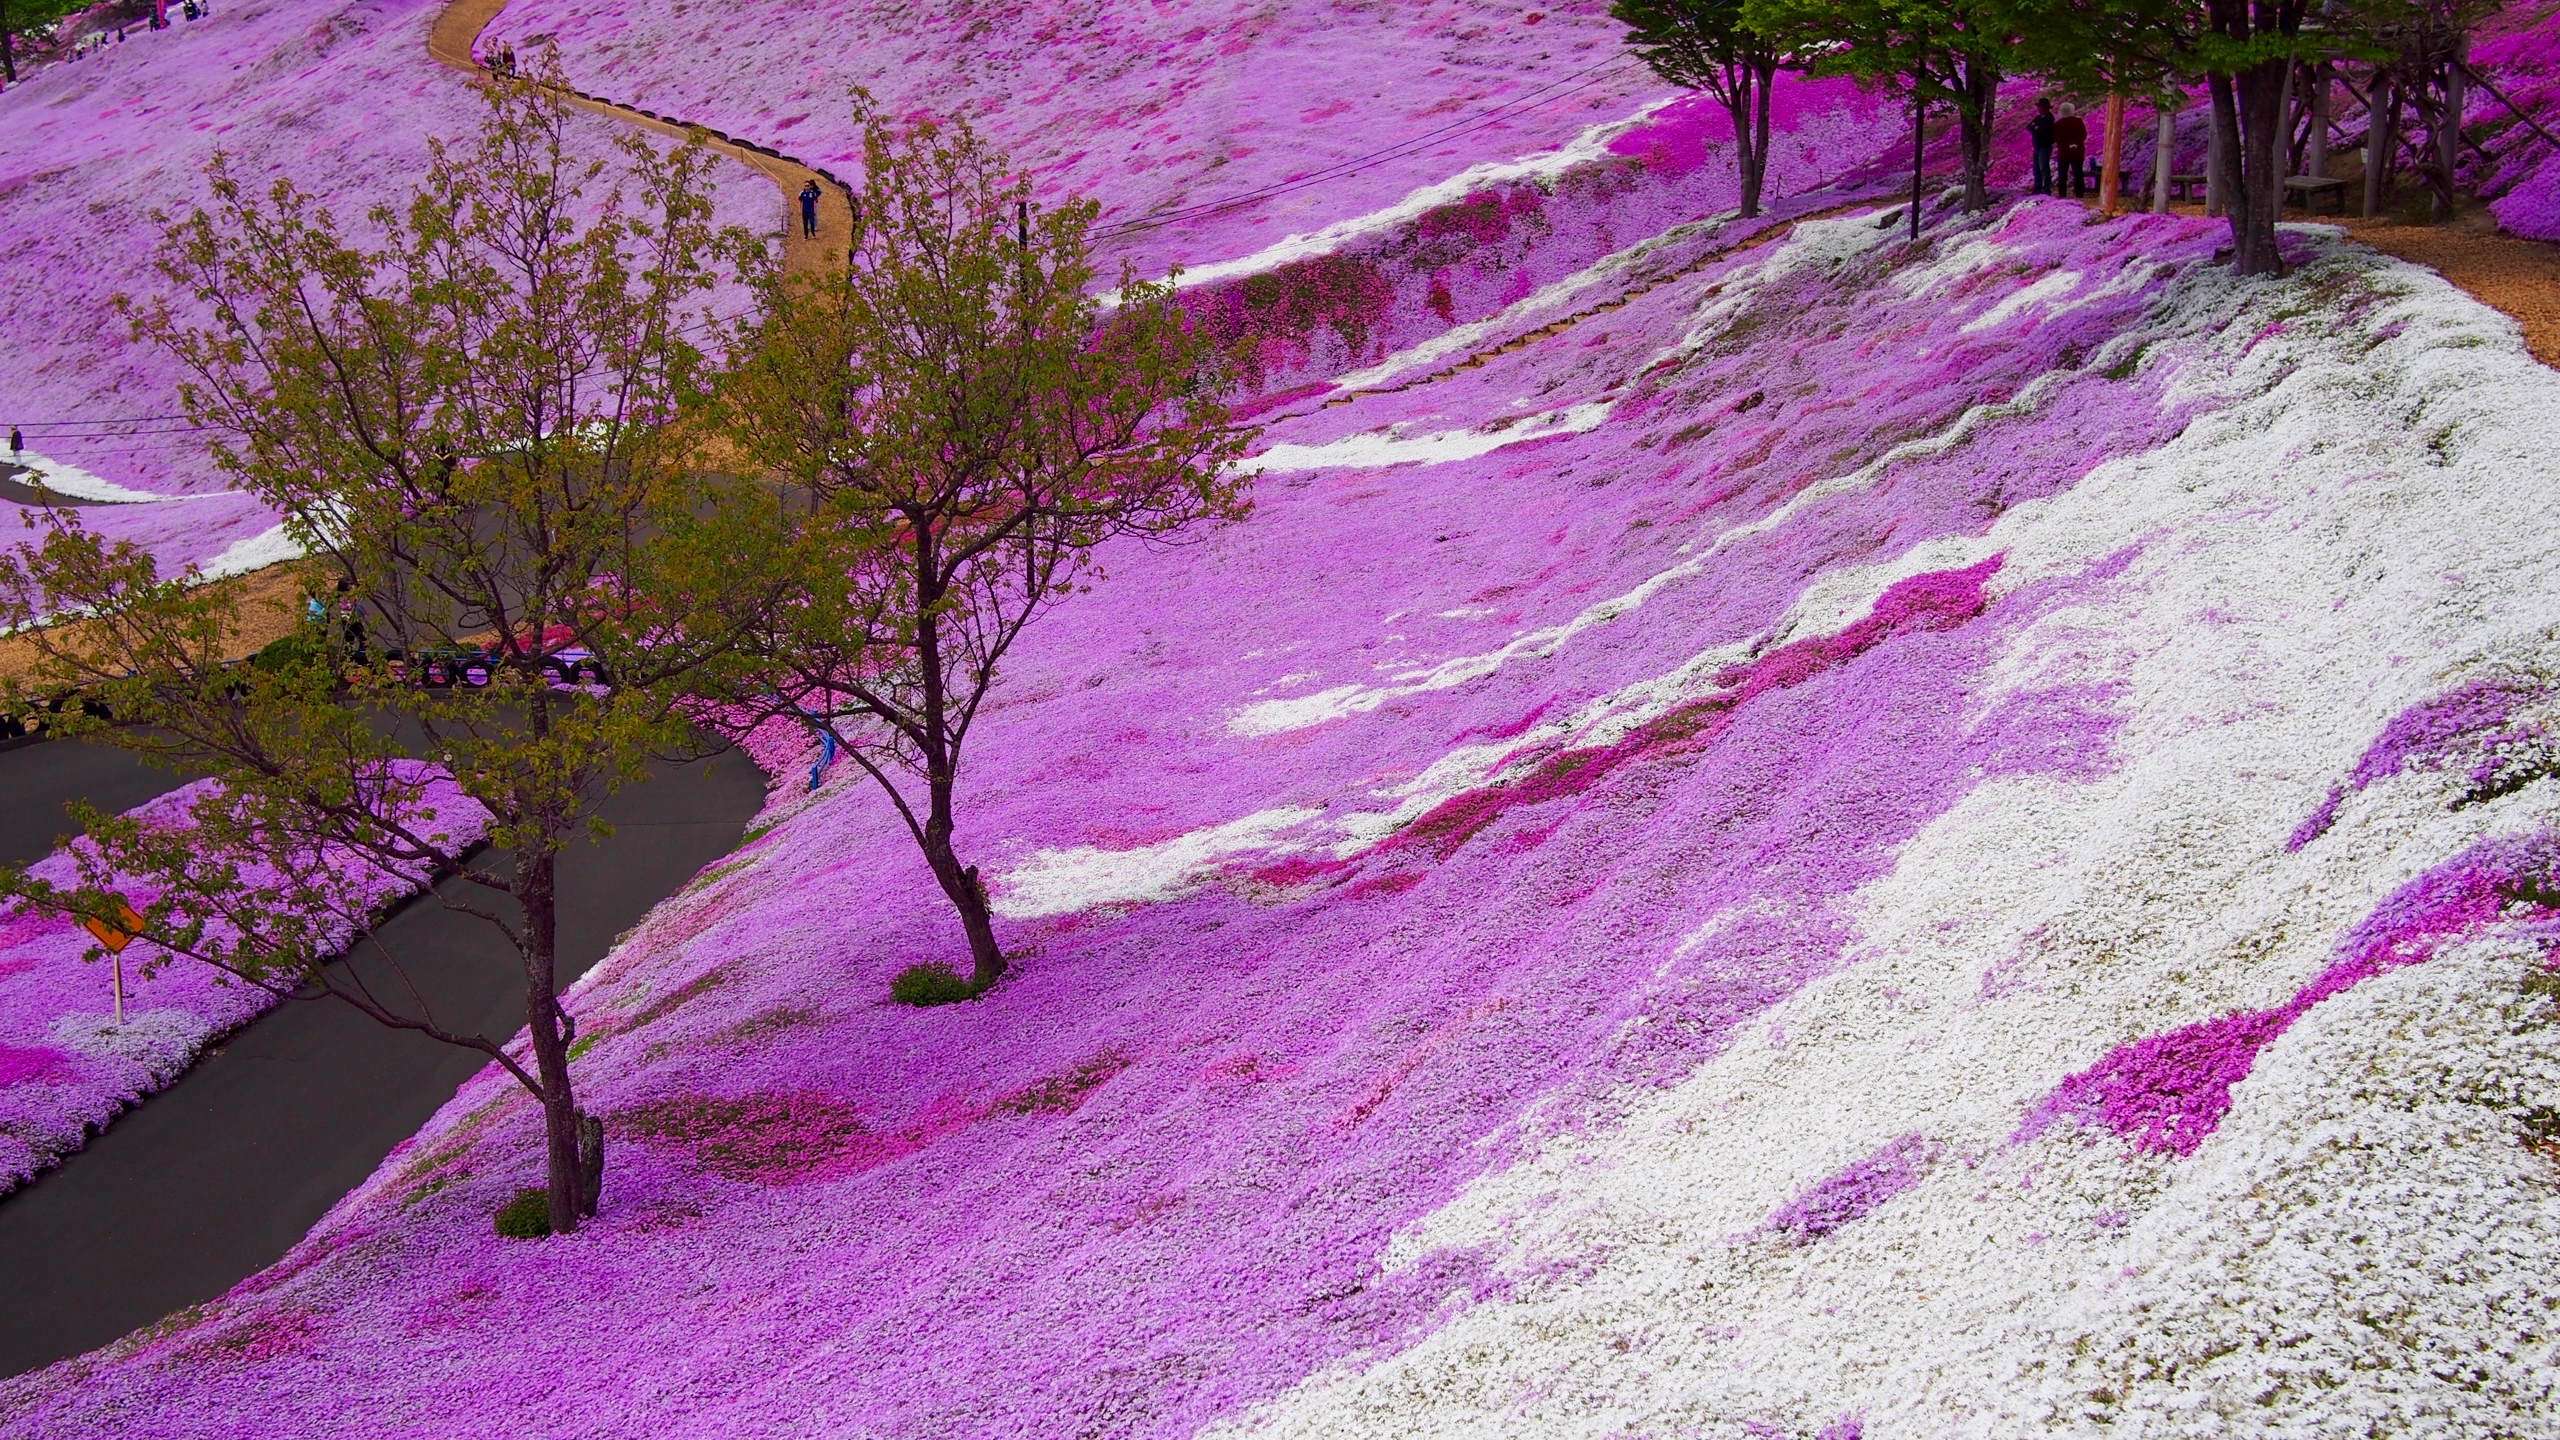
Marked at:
<point>2165,1093</point>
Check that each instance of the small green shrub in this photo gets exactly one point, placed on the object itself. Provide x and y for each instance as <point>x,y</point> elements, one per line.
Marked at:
<point>300,650</point>
<point>526,1217</point>
<point>930,983</point>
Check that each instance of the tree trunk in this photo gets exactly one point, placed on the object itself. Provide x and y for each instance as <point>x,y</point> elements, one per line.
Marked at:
<point>2382,104</point>
<point>2164,145</point>
<point>2448,137</point>
<point>1738,107</point>
<point>1755,183</point>
<point>2261,166</point>
<point>8,49</point>
<point>960,884</point>
<point>1919,144</point>
<point>567,1179</point>
<point>1974,115</point>
<point>2217,146</point>
<point>2111,159</point>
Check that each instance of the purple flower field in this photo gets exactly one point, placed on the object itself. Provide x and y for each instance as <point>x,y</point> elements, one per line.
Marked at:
<point>337,94</point>
<point>66,1067</point>
<point>1769,830</point>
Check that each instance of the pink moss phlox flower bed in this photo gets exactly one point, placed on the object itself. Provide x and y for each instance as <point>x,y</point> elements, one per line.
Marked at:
<point>1854,1191</point>
<point>1166,113</point>
<point>2166,1093</point>
<point>1551,926</point>
<point>2475,721</point>
<point>1584,883</point>
<point>2521,55</point>
<point>66,1068</point>
<point>338,95</point>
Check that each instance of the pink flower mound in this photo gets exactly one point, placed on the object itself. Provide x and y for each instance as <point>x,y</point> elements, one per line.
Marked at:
<point>66,1069</point>
<point>1165,113</point>
<point>2425,736</point>
<point>339,95</point>
<point>1151,1179</point>
<point>2165,1093</point>
<point>1854,1191</point>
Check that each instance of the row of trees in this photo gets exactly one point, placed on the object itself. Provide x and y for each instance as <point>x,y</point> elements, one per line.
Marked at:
<point>492,422</point>
<point>2265,66</point>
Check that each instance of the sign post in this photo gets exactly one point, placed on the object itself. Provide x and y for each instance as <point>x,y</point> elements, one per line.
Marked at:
<point>115,933</point>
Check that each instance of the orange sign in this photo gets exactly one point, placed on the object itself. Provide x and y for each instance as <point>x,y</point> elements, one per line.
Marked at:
<point>119,932</point>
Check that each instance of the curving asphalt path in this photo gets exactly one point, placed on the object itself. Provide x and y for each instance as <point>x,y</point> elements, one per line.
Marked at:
<point>217,1176</point>
<point>456,31</point>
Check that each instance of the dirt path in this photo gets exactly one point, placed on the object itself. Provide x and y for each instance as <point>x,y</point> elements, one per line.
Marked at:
<point>270,606</point>
<point>458,28</point>
<point>2519,278</point>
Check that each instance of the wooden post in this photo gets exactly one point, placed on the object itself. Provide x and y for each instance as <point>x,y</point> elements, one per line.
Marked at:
<point>118,959</point>
<point>2111,170</point>
<point>2164,144</point>
<point>2316,163</point>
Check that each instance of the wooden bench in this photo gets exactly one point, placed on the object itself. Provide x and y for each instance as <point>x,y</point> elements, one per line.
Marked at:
<point>2186,187</point>
<point>2311,187</point>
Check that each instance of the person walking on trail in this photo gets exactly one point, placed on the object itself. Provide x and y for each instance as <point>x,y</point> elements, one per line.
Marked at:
<point>809,211</point>
<point>2040,137</point>
<point>2071,151</point>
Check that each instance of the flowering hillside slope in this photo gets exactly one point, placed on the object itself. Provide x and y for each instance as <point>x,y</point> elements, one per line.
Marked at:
<point>335,94</point>
<point>1881,840</point>
<point>67,1067</point>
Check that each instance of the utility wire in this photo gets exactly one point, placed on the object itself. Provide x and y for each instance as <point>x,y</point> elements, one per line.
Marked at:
<point>1510,109</point>
<point>1342,169</point>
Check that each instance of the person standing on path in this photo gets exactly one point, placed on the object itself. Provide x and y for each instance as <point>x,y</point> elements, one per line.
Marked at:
<point>2040,136</point>
<point>16,442</point>
<point>2071,151</point>
<point>809,211</point>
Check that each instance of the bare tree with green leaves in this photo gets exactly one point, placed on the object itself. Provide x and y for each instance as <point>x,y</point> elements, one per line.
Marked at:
<point>467,420</point>
<point>1711,45</point>
<point>1955,51</point>
<point>953,428</point>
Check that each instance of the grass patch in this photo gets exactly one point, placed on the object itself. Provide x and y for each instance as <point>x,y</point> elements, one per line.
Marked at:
<point>667,1004</point>
<point>717,873</point>
<point>771,1022</point>
<point>1061,1093</point>
<point>526,1217</point>
<point>580,1046</point>
<point>435,1186</point>
<point>930,982</point>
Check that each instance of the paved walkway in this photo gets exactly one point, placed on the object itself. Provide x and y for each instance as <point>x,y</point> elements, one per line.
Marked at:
<point>458,29</point>
<point>214,1178</point>
<point>15,489</point>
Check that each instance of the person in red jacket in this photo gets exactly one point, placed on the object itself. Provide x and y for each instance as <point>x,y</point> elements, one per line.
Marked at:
<point>2071,152</point>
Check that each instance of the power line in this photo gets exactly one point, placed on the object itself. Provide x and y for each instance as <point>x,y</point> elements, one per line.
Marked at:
<point>102,419</point>
<point>1357,163</point>
<point>1518,105</point>
<point>1342,169</point>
